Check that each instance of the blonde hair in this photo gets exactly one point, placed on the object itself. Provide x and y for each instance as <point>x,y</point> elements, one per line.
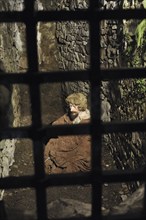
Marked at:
<point>77,99</point>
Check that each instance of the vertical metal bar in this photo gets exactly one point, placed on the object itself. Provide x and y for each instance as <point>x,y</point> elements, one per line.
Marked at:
<point>95,109</point>
<point>3,215</point>
<point>31,35</point>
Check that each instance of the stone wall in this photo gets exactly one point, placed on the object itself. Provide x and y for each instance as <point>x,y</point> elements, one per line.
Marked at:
<point>10,50</point>
<point>127,100</point>
<point>13,59</point>
<point>73,45</point>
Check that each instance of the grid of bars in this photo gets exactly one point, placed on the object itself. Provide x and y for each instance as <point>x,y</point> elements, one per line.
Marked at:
<point>33,78</point>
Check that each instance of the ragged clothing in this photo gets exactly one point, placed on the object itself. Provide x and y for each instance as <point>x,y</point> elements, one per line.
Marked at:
<point>68,154</point>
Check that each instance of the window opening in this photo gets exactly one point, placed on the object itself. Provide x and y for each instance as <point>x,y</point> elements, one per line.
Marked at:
<point>95,74</point>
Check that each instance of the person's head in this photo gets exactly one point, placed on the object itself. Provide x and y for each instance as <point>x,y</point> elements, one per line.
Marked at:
<point>76,102</point>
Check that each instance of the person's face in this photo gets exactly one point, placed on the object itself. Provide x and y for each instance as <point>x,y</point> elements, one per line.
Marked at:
<point>73,111</point>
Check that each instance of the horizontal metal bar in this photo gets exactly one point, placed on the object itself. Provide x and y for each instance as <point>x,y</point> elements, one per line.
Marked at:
<point>45,77</point>
<point>118,176</point>
<point>76,129</point>
<point>123,127</point>
<point>38,133</point>
<point>129,216</point>
<point>104,128</point>
<point>67,179</point>
<point>81,75</point>
<point>120,14</point>
<point>19,132</point>
<point>13,16</point>
<point>57,130</point>
<point>122,73</point>
<point>78,15</point>
<point>83,14</point>
<point>50,180</point>
<point>76,218</point>
<point>17,182</point>
<point>87,15</point>
<point>113,176</point>
<point>63,15</point>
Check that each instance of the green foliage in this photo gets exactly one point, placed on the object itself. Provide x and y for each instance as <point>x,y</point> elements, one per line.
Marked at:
<point>140,33</point>
<point>141,86</point>
<point>136,46</point>
<point>130,44</point>
<point>144,3</point>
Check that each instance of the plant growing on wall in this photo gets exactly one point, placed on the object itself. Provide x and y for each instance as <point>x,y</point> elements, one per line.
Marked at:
<point>140,34</point>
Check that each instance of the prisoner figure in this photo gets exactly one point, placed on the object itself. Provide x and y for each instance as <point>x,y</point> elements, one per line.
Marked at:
<point>69,154</point>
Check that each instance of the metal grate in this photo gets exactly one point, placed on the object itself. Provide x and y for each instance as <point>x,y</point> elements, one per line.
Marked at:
<point>33,78</point>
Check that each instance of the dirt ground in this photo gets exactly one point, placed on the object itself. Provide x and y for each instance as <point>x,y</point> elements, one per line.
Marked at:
<point>24,199</point>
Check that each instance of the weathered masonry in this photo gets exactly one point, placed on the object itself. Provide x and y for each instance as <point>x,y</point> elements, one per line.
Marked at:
<point>88,60</point>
